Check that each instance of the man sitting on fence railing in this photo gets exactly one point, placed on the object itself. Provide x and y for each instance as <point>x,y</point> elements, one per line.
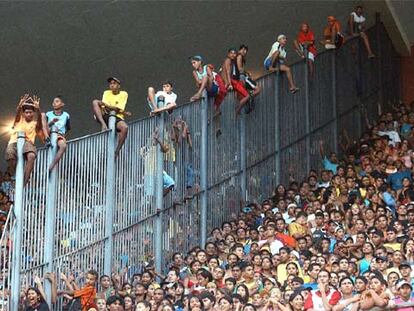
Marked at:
<point>356,27</point>
<point>305,43</point>
<point>61,120</point>
<point>244,76</point>
<point>229,74</point>
<point>113,100</point>
<point>333,37</point>
<point>28,120</point>
<point>277,60</point>
<point>161,101</point>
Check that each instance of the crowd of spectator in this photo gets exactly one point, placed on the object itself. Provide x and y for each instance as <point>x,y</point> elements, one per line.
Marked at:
<point>342,239</point>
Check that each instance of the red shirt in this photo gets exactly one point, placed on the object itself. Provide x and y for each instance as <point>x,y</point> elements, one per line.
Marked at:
<point>314,300</point>
<point>307,36</point>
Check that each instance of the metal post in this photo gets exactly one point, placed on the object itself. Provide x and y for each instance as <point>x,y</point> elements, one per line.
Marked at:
<point>243,162</point>
<point>50,215</point>
<point>277,127</point>
<point>379,60</point>
<point>203,170</point>
<point>159,197</point>
<point>110,194</point>
<point>307,114</point>
<point>18,229</point>
<point>334,103</point>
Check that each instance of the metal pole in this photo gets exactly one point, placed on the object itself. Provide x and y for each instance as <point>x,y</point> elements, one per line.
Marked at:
<point>277,126</point>
<point>159,197</point>
<point>50,215</point>
<point>18,229</point>
<point>307,114</point>
<point>243,162</point>
<point>203,170</point>
<point>334,103</point>
<point>110,194</point>
<point>379,60</point>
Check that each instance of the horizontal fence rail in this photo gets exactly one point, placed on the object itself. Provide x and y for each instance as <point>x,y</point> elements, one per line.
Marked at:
<point>126,224</point>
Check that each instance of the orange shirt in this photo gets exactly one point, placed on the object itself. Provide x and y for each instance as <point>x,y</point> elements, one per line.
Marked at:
<point>87,296</point>
<point>29,129</point>
<point>307,36</point>
<point>333,28</point>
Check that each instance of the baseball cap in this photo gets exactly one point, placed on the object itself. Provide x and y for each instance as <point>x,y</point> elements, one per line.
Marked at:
<point>383,258</point>
<point>402,283</point>
<point>110,79</point>
<point>196,58</point>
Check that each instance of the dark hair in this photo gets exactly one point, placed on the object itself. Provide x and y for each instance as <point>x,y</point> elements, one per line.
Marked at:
<point>346,278</point>
<point>243,46</point>
<point>41,299</point>
<point>115,298</point>
<point>103,276</point>
<point>167,82</point>
<point>94,273</point>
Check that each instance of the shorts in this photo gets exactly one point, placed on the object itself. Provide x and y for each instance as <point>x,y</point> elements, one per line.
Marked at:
<point>106,119</point>
<point>11,150</point>
<point>268,62</point>
<point>239,88</point>
<point>311,56</point>
<point>213,91</point>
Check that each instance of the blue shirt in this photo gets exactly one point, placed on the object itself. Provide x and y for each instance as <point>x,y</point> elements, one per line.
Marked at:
<point>328,165</point>
<point>63,122</point>
<point>395,179</point>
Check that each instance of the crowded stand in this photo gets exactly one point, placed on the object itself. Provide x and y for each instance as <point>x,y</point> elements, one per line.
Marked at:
<point>341,239</point>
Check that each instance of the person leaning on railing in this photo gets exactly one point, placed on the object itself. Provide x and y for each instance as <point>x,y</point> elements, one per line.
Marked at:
<point>113,100</point>
<point>28,120</point>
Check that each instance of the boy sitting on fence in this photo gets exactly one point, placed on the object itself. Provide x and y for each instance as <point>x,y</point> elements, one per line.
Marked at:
<point>61,120</point>
<point>161,101</point>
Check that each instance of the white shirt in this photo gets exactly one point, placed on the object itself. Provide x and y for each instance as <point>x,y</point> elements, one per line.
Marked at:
<point>169,98</point>
<point>277,47</point>
<point>358,19</point>
<point>393,135</point>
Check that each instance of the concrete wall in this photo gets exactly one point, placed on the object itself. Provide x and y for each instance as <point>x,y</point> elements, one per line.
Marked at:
<point>70,47</point>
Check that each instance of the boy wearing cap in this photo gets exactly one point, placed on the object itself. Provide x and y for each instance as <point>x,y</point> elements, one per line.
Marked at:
<point>61,120</point>
<point>229,74</point>
<point>28,120</point>
<point>164,100</point>
<point>277,57</point>
<point>405,291</point>
<point>113,100</point>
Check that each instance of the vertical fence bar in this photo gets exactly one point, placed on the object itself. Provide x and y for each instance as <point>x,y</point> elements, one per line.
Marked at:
<point>379,59</point>
<point>307,114</point>
<point>18,229</point>
<point>110,195</point>
<point>243,163</point>
<point>203,169</point>
<point>159,199</point>
<point>277,126</point>
<point>50,215</point>
<point>334,103</point>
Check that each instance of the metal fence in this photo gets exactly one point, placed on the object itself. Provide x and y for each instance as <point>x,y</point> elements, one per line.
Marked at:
<point>106,213</point>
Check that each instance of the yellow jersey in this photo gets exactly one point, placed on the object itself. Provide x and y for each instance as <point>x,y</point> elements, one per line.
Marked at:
<point>117,100</point>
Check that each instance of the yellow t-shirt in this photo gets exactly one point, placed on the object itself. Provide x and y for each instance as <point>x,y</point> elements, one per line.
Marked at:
<point>117,100</point>
<point>295,228</point>
<point>29,128</point>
